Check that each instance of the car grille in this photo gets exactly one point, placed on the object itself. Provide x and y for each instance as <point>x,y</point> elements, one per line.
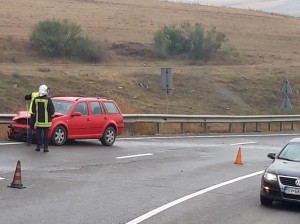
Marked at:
<point>22,121</point>
<point>290,196</point>
<point>288,181</point>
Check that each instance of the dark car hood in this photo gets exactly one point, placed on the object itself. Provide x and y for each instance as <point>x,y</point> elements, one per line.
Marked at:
<point>285,168</point>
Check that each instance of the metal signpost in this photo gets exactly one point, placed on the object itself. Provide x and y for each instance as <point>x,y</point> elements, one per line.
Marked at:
<point>286,90</point>
<point>166,82</point>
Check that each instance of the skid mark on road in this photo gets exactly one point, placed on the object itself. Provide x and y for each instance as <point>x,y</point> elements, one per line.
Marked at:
<point>190,196</point>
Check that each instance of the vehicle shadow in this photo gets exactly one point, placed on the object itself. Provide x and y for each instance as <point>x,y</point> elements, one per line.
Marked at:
<point>74,143</point>
<point>285,206</point>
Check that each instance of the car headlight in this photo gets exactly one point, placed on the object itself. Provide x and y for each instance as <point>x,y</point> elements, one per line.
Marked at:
<point>270,176</point>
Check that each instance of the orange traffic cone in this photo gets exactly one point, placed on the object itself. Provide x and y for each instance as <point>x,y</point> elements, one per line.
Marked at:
<point>17,181</point>
<point>238,159</point>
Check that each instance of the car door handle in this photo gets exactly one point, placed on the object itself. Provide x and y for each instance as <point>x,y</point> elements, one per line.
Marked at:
<point>88,119</point>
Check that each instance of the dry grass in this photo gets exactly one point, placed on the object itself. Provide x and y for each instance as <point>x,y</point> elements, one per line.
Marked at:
<point>3,131</point>
<point>263,50</point>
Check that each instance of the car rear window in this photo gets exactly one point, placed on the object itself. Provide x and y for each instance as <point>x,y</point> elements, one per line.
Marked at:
<point>111,108</point>
<point>96,108</point>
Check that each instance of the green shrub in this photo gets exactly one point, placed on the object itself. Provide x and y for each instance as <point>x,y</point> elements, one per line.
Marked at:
<point>186,39</point>
<point>170,41</point>
<point>86,50</point>
<point>56,38</point>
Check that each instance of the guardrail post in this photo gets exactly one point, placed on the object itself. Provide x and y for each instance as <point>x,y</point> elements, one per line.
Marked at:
<point>181,126</point>
<point>281,125</point>
<point>205,128</point>
<point>292,126</point>
<point>257,127</point>
<point>269,126</point>
<point>244,127</point>
<point>158,128</point>
<point>230,127</point>
<point>131,129</point>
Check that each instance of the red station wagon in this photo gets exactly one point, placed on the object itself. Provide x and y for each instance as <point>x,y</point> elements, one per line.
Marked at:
<point>76,118</point>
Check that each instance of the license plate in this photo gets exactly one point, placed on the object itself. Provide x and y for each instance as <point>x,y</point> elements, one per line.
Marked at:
<point>290,190</point>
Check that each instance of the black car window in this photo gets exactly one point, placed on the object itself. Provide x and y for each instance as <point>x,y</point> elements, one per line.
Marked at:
<point>96,108</point>
<point>291,152</point>
<point>111,108</point>
<point>82,108</point>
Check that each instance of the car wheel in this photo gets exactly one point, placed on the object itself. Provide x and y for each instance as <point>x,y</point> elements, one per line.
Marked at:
<point>59,135</point>
<point>109,136</point>
<point>265,201</point>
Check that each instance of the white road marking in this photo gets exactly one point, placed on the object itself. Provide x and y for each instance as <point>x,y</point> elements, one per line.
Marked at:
<point>11,143</point>
<point>131,156</point>
<point>244,143</point>
<point>190,196</point>
<point>206,136</point>
<point>2,178</point>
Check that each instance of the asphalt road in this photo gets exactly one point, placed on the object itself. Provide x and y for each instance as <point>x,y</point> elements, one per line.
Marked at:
<point>190,180</point>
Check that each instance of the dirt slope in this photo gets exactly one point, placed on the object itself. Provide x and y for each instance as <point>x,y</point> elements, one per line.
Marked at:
<point>245,77</point>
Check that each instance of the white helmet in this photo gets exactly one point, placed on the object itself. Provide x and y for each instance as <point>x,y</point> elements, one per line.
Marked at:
<point>43,90</point>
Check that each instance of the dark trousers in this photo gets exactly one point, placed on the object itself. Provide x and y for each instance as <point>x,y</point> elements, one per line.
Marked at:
<point>31,127</point>
<point>42,137</point>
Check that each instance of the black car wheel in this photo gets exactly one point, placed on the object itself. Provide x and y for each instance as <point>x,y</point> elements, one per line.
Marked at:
<point>59,135</point>
<point>109,136</point>
<point>265,201</point>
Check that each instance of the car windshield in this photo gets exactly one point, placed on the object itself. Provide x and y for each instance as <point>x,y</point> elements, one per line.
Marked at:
<point>62,106</point>
<point>291,152</point>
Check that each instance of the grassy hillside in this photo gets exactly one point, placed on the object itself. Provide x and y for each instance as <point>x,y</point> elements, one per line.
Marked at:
<point>244,78</point>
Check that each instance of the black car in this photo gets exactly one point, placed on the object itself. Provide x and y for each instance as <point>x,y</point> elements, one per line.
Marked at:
<point>281,179</point>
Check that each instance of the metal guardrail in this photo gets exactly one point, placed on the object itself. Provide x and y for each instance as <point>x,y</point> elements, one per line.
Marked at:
<point>6,118</point>
<point>204,120</point>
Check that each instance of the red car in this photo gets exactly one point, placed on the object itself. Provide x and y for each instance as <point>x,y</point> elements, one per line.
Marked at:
<point>76,118</point>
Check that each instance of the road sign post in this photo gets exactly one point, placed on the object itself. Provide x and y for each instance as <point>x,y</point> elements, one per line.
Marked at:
<point>166,77</point>
<point>286,90</point>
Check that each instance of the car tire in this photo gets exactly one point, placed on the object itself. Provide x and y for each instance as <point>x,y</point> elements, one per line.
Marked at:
<point>109,136</point>
<point>59,136</point>
<point>265,201</point>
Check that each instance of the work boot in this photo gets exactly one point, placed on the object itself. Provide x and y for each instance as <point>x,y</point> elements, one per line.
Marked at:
<point>37,149</point>
<point>46,149</point>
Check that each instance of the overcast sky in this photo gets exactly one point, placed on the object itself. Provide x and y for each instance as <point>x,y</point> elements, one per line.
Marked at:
<point>288,7</point>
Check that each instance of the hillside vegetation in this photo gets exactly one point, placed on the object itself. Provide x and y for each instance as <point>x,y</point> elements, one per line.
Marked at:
<point>245,76</point>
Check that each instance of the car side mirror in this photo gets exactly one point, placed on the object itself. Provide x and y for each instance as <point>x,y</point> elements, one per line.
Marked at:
<point>271,155</point>
<point>76,114</point>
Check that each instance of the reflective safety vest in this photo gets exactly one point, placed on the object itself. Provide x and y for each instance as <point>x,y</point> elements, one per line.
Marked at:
<point>42,119</point>
<point>33,96</point>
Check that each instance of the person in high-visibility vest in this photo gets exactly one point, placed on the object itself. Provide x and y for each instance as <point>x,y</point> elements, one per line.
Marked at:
<point>31,97</point>
<point>44,110</point>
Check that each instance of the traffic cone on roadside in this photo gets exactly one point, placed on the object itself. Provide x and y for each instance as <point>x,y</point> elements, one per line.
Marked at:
<point>17,181</point>
<point>238,159</point>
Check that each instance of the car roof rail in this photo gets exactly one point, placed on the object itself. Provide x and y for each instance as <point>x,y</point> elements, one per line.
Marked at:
<point>78,98</point>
